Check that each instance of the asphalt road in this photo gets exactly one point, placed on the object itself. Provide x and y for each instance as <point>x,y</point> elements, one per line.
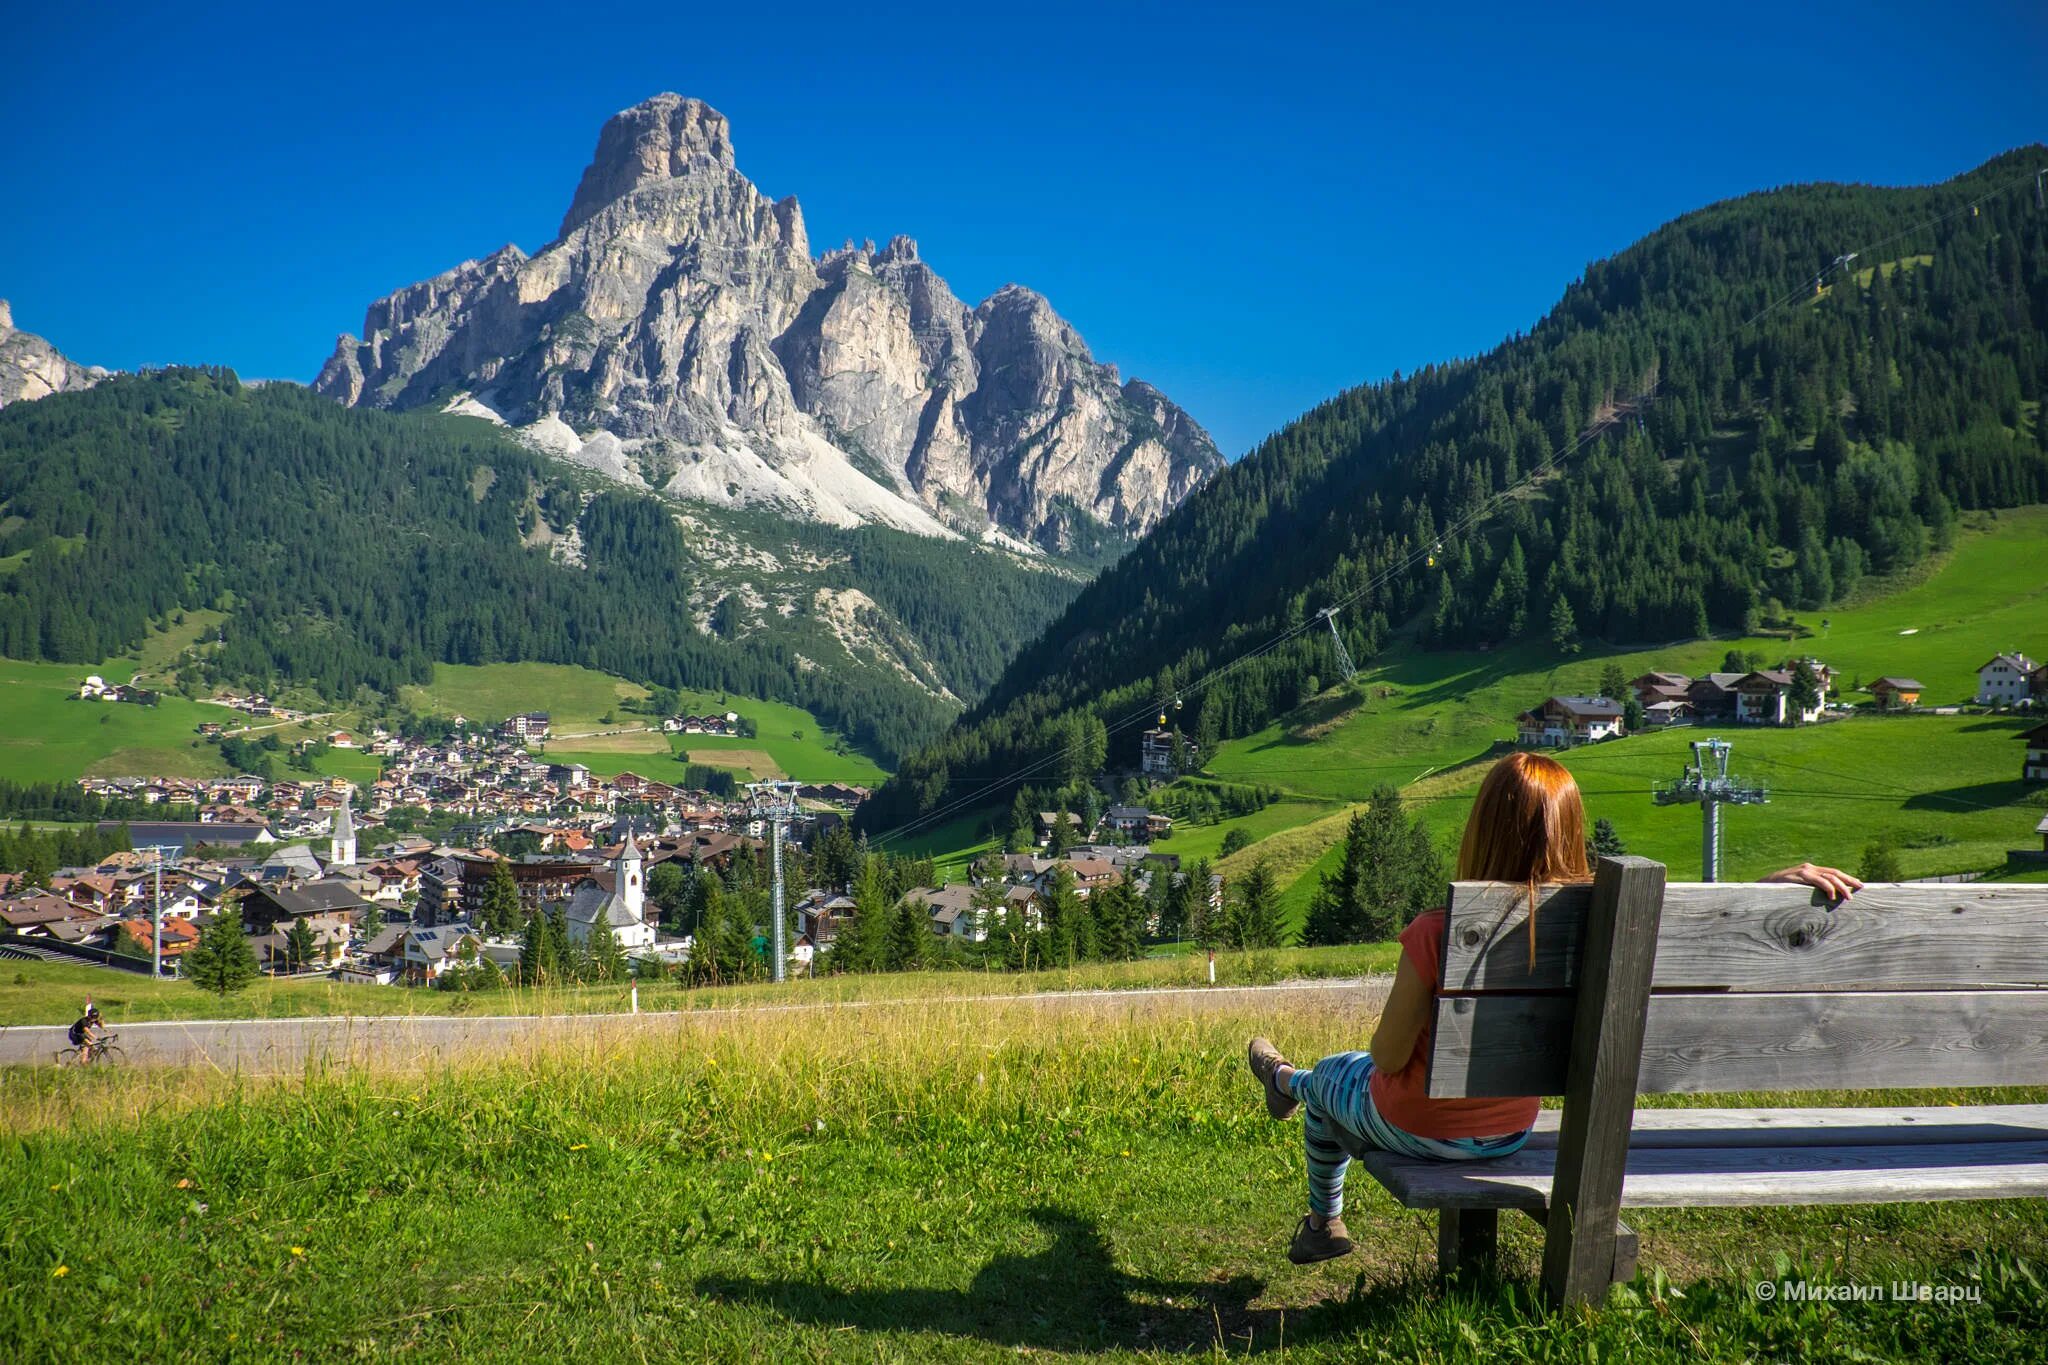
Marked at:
<point>268,1045</point>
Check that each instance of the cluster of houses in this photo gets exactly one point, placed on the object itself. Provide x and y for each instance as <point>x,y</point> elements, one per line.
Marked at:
<point>1025,880</point>
<point>96,688</point>
<point>727,724</point>
<point>406,912</point>
<point>1765,696</point>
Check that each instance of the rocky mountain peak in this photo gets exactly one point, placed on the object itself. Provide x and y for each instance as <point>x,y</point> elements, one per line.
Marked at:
<point>32,368</point>
<point>664,138</point>
<point>679,335</point>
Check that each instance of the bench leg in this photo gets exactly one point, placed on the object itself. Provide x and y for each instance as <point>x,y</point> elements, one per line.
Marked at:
<point>1628,1247</point>
<point>1466,1239</point>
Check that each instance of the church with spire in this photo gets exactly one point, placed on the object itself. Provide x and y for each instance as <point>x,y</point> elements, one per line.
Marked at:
<point>341,839</point>
<point>616,898</point>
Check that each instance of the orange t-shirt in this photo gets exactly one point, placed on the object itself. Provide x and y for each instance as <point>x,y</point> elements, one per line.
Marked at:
<point>1402,1098</point>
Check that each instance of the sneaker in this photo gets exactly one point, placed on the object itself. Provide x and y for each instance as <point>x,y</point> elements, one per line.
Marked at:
<point>1325,1243</point>
<point>1266,1062</point>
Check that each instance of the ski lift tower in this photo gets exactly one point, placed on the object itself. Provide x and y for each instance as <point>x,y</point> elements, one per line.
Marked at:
<point>156,938</point>
<point>1707,784</point>
<point>775,802</point>
<point>1329,615</point>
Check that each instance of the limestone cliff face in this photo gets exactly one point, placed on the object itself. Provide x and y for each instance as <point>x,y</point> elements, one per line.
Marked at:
<point>679,333</point>
<point>31,367</point>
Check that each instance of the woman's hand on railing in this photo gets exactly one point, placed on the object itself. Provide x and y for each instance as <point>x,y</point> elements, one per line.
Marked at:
<point>1831,882</point>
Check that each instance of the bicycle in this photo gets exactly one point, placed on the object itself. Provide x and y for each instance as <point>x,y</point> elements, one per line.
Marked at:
<point>104,1049</point>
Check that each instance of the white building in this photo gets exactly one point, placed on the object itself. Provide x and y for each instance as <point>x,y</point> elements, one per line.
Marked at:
<point>622,905</point>
<point>341,839</point>
<point>2005,679</point>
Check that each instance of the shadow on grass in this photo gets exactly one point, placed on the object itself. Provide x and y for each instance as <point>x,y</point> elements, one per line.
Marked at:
<point>1068,1295</point>
<point>1977,796</point>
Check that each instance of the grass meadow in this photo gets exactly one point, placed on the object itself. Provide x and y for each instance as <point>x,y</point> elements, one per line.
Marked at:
<point>791,742</point>
<point>935,1183</point>
<point>55,992</point>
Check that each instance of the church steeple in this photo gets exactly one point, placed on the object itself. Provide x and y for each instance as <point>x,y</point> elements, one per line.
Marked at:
<point>628,881</point>
<point>341,839</point>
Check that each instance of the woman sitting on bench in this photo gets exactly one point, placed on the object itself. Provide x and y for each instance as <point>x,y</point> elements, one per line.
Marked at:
<point>1527,825</point>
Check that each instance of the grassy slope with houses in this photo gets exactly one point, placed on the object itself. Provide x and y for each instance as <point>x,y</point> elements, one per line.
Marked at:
<point>1944,789</point>
<point>48,734</point>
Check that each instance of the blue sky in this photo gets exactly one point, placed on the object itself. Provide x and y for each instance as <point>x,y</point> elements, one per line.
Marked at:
<point>1251,207</point>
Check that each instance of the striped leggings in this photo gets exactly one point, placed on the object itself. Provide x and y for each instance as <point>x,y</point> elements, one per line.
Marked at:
<point>1339,1122</point>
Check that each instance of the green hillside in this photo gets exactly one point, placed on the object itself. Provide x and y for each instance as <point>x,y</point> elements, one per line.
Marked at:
<point>1693,442</point>
<point>344,554</point>
<point>48,734</point>
<point>1942,789</point>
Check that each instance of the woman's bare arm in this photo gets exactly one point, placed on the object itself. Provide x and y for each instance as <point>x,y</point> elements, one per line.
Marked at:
<point>1836,884</point>
<point>1401,1019</point>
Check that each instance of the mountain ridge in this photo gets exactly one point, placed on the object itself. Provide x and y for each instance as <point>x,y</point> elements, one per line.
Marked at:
<point>680,331</point>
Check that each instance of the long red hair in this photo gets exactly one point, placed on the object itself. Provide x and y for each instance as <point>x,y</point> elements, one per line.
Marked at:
<point>1527,825</point>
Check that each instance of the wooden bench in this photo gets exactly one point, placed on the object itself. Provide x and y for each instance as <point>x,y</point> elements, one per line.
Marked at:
<point>1638,987</point>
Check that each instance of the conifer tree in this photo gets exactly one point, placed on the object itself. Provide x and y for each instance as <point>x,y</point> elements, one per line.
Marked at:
<point>498,912</point>
<point>909,936</point>
<point>221,961</point>
<point>1604,842</point>
<point>1255,919</point>
<point>300,947</point>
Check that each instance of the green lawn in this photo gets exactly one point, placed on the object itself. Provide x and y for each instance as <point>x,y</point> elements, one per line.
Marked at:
<point>938,1184</point>
<point>575,698</point>
<point>578,700</point>
<point>48,735</point>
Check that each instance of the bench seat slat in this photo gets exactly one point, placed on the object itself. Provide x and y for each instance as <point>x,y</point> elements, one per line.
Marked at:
<point>1901,1125</point>
<point>1735,1177</point>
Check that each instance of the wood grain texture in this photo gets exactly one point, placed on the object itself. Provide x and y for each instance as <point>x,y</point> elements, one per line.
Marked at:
<point>1801,1127</point>
<point>1693,1044</point>
<point>1605,1047</point>
<point>1628,1247</point>
<point>1729,936</point>
<point>1736,1177</point>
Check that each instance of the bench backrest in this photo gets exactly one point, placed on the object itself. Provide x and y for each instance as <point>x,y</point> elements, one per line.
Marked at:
<point>1747,987</point>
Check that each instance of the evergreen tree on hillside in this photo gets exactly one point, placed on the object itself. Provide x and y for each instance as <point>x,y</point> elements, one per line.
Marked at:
<point>861,945</point>
<point>910,936</point>
<point>1255,916</point>
<point>1389,870</point>
<point>1604,842</point>
<point>499,911</point>
<point>607,961</point>
<point>538,964</point>
<point>1062,912</point>
<point>1564,626</point>
<point>221,961</point>
<point>300,947</point>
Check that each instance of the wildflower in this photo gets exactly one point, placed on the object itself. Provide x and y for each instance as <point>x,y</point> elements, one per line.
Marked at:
<point>298,1251</point>
<point>579,1146</point>
<point>767,1156</point>
<point>60,1272</point>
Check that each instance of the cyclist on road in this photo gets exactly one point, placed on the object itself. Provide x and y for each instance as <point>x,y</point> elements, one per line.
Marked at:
<point>86,1032</point>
